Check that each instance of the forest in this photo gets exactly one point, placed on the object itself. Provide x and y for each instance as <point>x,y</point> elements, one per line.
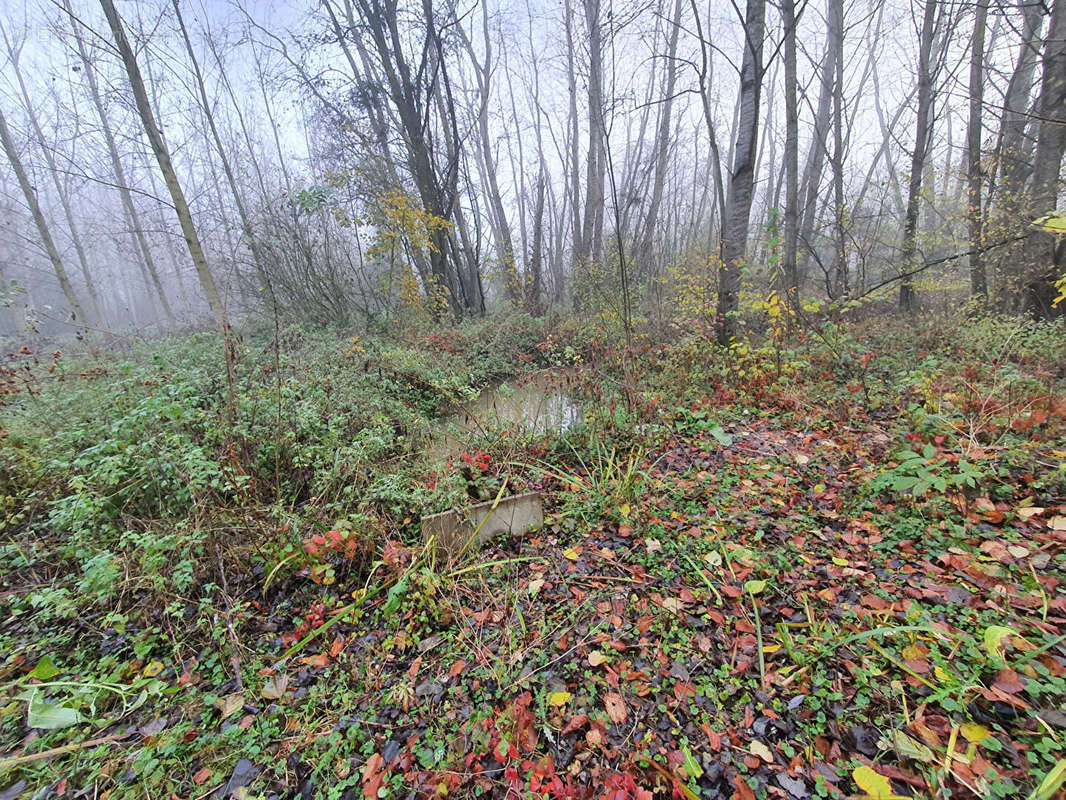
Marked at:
<point>555,399</point>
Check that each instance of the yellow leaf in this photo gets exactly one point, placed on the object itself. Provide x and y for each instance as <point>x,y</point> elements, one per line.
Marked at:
<point>872,782</point>
<point>596,658</point>
<point>571,553</point>
<point>972,732</point>
<point>152,669</point>
<point>624,510</point>
<point>535,585</point>
<point>840,562</point>
<point>1055,222</point>
<point>559,699</point>
<point>1057,523</point>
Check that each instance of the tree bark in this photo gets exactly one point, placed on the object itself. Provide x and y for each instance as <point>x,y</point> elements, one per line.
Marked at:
<point>790,245</point>
<point>742,175</point>
<point>978,281</point>
<point>1038,258</point>
<point>908,300</point>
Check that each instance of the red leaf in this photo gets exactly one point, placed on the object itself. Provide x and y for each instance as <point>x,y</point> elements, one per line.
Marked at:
<point>200,778</point>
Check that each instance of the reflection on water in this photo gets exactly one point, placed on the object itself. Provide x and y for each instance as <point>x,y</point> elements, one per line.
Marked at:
<point>537,404</point>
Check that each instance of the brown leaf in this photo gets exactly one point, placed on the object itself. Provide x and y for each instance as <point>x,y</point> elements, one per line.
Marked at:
<point>1007,680</point>
<point>200,778</point>
<point>230,704</point>
<point>373,776</point>
<point>616,707</point>
<point>576,722</point>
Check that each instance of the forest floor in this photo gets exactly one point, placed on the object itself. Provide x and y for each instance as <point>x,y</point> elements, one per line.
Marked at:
<point>832,567</point>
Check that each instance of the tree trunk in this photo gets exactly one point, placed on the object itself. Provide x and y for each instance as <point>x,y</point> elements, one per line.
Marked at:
<point>790,245</point>
<point>64,200</point>
<point>155,139</point>
<point>646,242</point>
<point>77,316</point>
<point>978,281</point>
<point>1038,258</point>
<point>227,169</point>
<point>148,268</point>
<point>742,175</point>
<point>840,263</point>
<point>908,300</point>
<point>592,224</point>
<point>536,269</point>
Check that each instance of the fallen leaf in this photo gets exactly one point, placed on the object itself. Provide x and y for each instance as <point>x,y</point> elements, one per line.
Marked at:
<point>673,604</point>
<point>274,689</point>
<point>911,748</point>
<point>373,776</point>
<point>973,732</point>
<point>757,748</point>
<point>873,783</point>
<point>230,704</point>
<point>559,699</point>
<point>1007,680</point>
<point>1057,523</point>
<point>616,707</point>
<point>200,778</point>
<point>596,658</point>
<point>576,722</point>
<point>572,553</point>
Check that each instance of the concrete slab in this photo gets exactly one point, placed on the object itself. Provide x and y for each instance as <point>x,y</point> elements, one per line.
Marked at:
<point>456,532</point>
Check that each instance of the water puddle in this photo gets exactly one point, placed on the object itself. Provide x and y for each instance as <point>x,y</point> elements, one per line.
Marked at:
<point>536,404</point>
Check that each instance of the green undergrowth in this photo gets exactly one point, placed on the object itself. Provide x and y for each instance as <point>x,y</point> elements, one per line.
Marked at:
<point>793,567</point>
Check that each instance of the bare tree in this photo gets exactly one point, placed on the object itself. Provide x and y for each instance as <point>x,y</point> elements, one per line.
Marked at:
<point>147,263</point>
<point>77,316</point>
<point>13,53</point>
<point>155,139</point>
